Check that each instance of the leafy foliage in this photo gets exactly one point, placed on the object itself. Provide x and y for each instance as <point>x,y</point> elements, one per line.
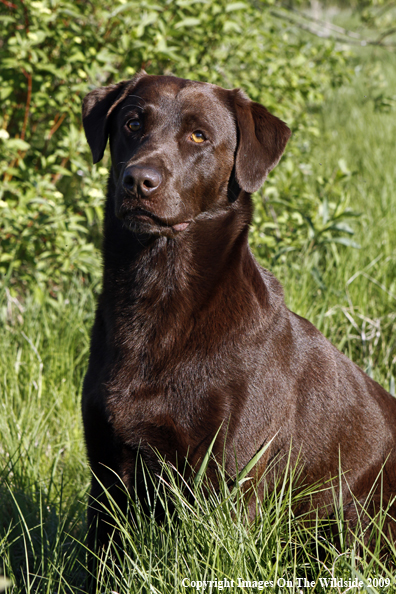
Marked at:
<point>55,51</point>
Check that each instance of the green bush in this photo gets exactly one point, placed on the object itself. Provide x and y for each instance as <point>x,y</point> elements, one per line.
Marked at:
<point>53,52</point>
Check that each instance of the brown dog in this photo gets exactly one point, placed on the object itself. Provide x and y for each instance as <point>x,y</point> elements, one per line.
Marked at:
<point>191,333</point>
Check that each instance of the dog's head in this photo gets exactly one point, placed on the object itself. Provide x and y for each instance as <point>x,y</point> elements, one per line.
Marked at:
<point>180,149</point>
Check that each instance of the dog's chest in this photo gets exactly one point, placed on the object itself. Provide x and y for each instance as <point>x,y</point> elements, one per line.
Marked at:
<point>176,407</point>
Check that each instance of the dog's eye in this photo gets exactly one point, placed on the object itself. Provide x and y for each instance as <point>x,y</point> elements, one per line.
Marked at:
<point>198,136</point>
<point>133,125</point>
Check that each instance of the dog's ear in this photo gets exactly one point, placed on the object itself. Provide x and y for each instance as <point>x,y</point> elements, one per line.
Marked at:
<point>97,107</point>
<point>262,138</point>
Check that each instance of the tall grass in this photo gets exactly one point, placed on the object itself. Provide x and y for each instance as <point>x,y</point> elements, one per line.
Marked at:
<point>353,300</point>
<point>44,475</point>
<point>43,471</point>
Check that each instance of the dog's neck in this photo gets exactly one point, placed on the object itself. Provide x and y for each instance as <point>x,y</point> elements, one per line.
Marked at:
<point>159,293</point>
<point>191,265</point>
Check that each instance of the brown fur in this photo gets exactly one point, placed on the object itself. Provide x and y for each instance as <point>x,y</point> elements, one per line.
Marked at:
<point>190,331</point>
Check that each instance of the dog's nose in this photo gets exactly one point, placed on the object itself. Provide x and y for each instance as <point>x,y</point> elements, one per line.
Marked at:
<point>141,180</point>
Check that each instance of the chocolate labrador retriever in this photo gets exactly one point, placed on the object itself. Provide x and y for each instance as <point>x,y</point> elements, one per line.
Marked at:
<point>191,334</point>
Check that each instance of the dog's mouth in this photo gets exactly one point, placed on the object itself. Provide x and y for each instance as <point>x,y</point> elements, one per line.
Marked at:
<point>140,219</point>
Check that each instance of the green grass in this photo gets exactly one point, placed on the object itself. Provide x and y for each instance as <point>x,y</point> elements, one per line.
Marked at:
<point>43,471</point>
<point>353,302</point>
<point>44,475</point>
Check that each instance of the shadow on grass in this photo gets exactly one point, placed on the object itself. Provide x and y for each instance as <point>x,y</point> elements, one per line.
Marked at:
<point>41,538</point>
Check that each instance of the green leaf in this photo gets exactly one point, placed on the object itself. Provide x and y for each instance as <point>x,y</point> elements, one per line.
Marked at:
<point>189,22</point>
<point>343,241</point>
<point>236,6</point>
<point>202,469</point>
<point>250,465</point>
<point>77,57</point>
<point>230,26</point>
<point>343,227</point>
<point>18,144</point>
<point>123,8</point>
<point>5,92</point>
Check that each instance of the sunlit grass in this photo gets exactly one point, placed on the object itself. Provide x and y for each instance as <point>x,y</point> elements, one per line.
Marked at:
<point>354,300</point>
